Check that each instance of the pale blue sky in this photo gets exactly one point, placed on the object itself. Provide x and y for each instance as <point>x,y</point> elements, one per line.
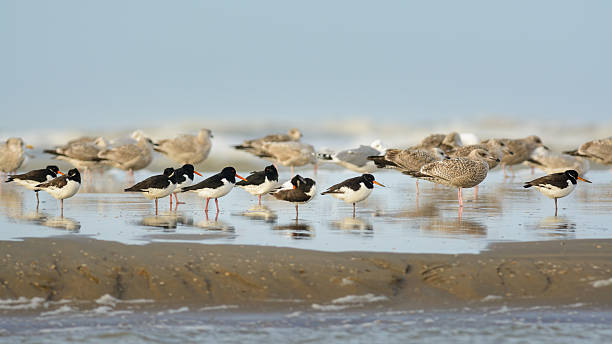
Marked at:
<point>113,63</point>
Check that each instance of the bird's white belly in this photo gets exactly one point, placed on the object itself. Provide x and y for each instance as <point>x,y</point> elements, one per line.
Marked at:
<point>260,189</point>
<point>179,187</point>
<point>28,184</point>
<point>352,196</point>
<point>216,193</point>
<point>152,193</point>
<point>67,191</point>
<point>555,192</point>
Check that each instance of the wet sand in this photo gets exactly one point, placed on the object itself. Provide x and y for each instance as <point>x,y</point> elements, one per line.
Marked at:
<point>257,277</point>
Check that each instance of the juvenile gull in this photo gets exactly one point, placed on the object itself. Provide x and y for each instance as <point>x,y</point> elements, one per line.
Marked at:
<point>551,162</point>
<point>356,159</point>
<point>408,160</point>
<point>521,149</point>
<point>457,172</point>
<point>186,149</point>
<point>254,146</point>
<point>290,153</point>
<point>129,156</point>
<point>353,190</point>
<point>81,153</point>
<point>446,142</point>
<point>599,151</point>
<point>496,147</point>
<point>556,185</point>
<point>11,155</point>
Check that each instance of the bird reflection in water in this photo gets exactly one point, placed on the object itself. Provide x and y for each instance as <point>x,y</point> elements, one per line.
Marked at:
<point>214,225</point>
<point>456,226</point>
<point>353,225</point>
<point>296,230</point>
<point>557,226</point>
<point>167,220</point>
<point>43,219</point>
<point>262,213</point>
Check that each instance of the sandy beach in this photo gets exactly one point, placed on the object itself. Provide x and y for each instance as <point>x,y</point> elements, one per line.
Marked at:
<point>533,273</point>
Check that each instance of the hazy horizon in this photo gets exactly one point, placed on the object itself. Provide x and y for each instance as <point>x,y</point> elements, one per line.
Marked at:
<point>117,64</point>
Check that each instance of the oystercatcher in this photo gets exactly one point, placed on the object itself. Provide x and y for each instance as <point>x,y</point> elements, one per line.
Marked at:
<point>216,186</point>
<point>157,186</point>
<point>31,179</point>
<point>63,187</point>
<point>353,190</point>
<point>556,185</point>
<point>183,177</point>
<point>298,190</point>
<point>259,183</point>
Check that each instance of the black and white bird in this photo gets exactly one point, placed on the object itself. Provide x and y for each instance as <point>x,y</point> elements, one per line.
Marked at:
<point>31,179</point>
<point>183,177</point>
<point>216,186</point>
<point>298,190</point>
<point>259,183</point>
<point>63,187</point>
<point>156,187</point>
<point>556,185</point>
<point>353,190</point>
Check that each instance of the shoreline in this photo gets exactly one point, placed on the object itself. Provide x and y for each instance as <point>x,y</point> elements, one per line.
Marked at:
<point>271,278</point>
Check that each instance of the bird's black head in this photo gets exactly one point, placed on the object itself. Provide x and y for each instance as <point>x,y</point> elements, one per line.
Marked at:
<point>188,169</point>
<point>368,177</point>
<point>52,169</point>
<point>308,184</point>
<point>271,172</point>
<point>229,173</point>
<point>298,181</point>
<point>74,174</point>
<point>168,171</point>
<point>572,174</point>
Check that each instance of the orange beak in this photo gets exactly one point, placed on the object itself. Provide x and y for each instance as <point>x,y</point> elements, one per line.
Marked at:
<point>584,180</point>
<point>293,187</point>
<point>198,173</point>
<point>29,147</point>
<point>377,183</point>
<point>240,177</point>
<point>60,172</point>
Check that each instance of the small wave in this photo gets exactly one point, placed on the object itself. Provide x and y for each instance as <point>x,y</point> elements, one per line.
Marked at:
<point>367,298</point>
<point>21,303</point>
<point>602,283</point>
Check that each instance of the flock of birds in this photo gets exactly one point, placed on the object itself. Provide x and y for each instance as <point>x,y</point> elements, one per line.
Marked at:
<point>441,159</point>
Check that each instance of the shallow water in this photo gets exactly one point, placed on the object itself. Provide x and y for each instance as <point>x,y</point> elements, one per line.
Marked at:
<point>106,322</point>
<point>393,219</point>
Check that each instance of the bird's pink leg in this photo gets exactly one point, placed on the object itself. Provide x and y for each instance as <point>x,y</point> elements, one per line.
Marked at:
<point>206,208</point>
<point>217,205</point>
<point>417,186</point>
<point>476,192</point>
<point>296,211</point>
<point>260,201</point>
<point>156,207</point>
<point>353,210</point>
<point>460,198</point>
